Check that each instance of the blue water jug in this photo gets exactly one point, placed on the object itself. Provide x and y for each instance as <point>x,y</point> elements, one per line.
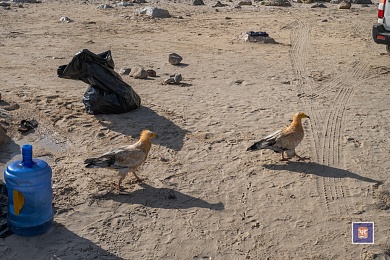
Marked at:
<point>28,181</point>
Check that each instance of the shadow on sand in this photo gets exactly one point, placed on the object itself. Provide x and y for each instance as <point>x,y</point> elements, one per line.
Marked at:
<point>58,243</point>
<point>164,198</point>
<point>132,123</point>
<point>8,151</point>
<point>319,170</point>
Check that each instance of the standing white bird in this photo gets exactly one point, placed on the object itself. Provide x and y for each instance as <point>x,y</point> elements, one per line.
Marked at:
<point>284,140</point>
<point>125,159</point>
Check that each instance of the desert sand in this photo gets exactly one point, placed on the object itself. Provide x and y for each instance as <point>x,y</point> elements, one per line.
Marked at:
<point>205,196</point>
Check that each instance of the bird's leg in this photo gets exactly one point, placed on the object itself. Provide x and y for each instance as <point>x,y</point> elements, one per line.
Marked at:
<point>138,178</point>
<point>122,176</point>
<point>283,158</point>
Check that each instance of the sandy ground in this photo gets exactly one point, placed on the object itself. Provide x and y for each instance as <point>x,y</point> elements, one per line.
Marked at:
<point>205,197</point>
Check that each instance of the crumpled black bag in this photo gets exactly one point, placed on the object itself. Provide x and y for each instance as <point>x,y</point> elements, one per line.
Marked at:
<point>107,93</point>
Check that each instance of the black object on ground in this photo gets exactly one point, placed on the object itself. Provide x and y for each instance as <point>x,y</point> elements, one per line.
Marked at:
<point>26,125</point>
<point>4,231</point>
<point>264,34</point>
<point>107,93</point>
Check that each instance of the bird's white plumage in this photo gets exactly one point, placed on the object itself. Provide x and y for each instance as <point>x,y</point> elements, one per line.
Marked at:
<point>125,159</point>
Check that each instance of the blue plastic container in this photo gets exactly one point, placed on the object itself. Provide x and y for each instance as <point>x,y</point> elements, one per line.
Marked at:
<point>30,195</point>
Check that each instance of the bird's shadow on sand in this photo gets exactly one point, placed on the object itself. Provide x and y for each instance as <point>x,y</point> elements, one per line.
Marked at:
<point>132,123</point>
<point>164,198</point>
<point>319,170</point>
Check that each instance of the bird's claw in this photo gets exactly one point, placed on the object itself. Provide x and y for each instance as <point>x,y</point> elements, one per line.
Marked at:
<point>137,180</point>
<point>140,180</point>
<point>303,158</point>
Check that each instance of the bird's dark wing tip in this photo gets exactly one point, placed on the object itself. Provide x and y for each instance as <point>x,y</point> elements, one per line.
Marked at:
<point>89,160</point>
<point>253,147</point>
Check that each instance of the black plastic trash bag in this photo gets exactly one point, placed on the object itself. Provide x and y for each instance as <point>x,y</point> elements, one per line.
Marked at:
<point>107,93</point>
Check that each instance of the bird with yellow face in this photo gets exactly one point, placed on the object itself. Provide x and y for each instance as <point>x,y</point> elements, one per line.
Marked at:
<point>284,140</point>
<point>125,159</point>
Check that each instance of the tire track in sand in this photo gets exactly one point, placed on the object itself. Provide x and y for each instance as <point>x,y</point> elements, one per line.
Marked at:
<point>331,148</point>
<point>326,147</point>
<point>300,38</point>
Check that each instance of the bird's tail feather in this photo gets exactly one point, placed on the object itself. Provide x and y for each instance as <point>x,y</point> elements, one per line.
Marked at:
<point>97,162</point>
<point>262,144</point>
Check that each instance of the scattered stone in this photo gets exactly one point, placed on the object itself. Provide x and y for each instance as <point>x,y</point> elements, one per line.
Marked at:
<point>4,4</point>
<point>143,74</point>
<point>277,3</point>
<point>245,2</point>
<point>124,71</point>
<point>174,79</point>
<point>197,2</point>
<point>151,73</point>
<point>175,59</point>
<point>345,5</point>
<point>168,81</point>
<point>65,19</point>
<point>252,33</point>
<point>26,1</point>
<point>258,39</point>
<point>324,20</point>
<point>138,72</point>
<point>177,78</point>
<point>362,2</point>
<point>104,6</point>
<point>335,1</point>
<point>134,70</point>
<point>153,12</point>
<point>318,5</point>
<point>139,2</point>
<point>219,4</point>
<point>124,4</point>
